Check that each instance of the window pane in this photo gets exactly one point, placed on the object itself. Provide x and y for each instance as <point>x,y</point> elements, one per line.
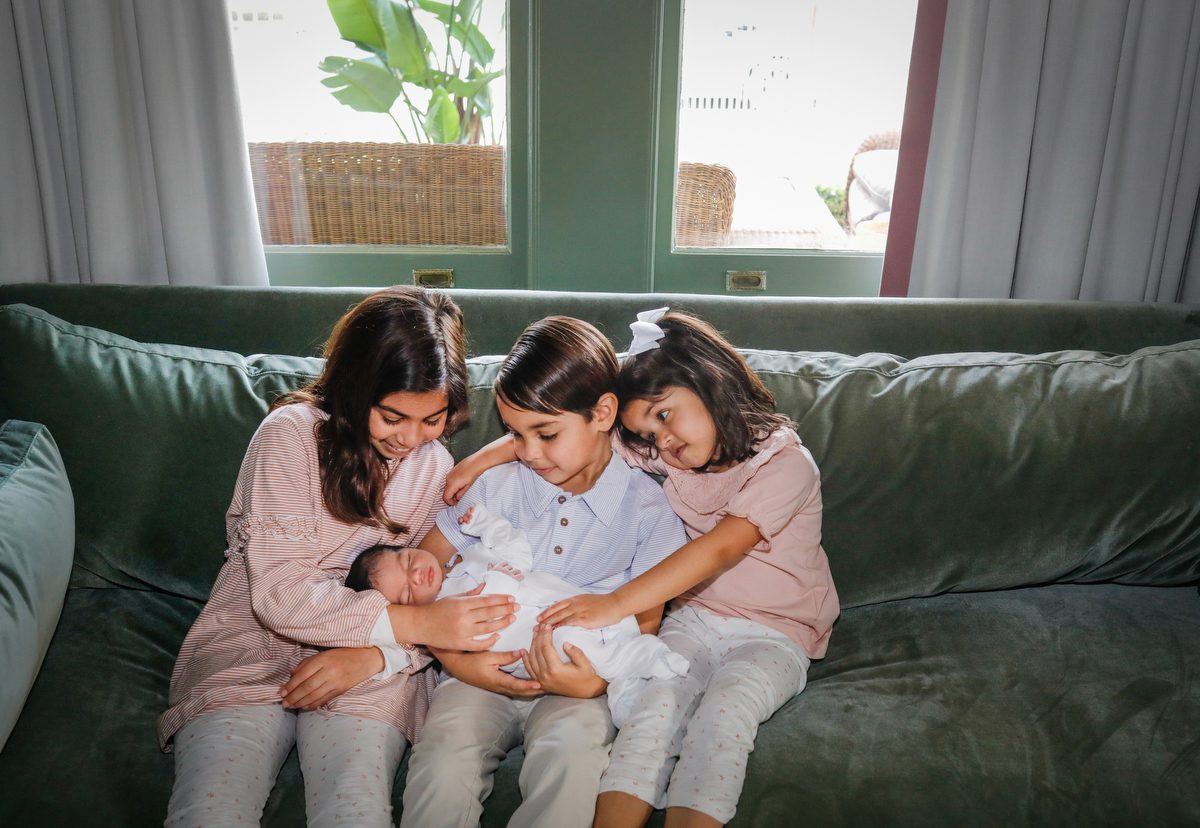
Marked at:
<point>392,139</point>
<point>789,122</point>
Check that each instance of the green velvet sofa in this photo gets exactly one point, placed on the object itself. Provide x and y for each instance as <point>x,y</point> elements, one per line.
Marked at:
<point>1012,515</point>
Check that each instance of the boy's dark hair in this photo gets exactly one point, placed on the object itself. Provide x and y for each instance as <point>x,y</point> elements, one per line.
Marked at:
<point>694,356</point>
<point>363,568</point>
<point>558,364</point>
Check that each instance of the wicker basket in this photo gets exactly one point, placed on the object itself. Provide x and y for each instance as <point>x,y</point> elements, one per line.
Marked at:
<point>345,193</point>
<point>704,195</point>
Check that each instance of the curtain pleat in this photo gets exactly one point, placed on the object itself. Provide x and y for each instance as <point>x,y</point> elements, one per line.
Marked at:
<point>126,160</point>
<point>1064,159</point>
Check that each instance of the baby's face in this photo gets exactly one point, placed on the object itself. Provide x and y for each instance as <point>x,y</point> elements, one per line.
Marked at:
<point>408,576</point>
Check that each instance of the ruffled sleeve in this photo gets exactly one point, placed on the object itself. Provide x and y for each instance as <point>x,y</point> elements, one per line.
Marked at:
<point>275,531</point>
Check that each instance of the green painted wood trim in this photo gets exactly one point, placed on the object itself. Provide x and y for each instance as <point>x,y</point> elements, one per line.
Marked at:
<point>593,137</point>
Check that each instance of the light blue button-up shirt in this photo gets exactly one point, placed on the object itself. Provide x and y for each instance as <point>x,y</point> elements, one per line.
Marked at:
<point>597,540</point>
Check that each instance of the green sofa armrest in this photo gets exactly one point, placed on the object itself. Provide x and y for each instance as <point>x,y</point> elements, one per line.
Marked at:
<point>37,546</point>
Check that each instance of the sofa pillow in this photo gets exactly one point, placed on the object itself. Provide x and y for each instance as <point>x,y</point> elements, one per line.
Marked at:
<point>981,471</point>
<point>38,516</point>
<point>153,435</point>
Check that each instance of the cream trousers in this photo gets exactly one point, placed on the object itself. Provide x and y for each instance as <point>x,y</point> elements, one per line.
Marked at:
<point>687,742</point>
<point>226,762</point>
<point>469,731</point>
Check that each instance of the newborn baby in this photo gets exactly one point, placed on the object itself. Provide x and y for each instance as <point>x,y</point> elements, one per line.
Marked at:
<point>621,654</point>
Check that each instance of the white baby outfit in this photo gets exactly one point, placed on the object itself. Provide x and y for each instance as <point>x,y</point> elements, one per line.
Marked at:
<point>620,653</point>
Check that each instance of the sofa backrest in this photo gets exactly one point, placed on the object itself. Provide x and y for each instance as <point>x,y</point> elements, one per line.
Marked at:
<point>298,320</point>
<point>952,472</point>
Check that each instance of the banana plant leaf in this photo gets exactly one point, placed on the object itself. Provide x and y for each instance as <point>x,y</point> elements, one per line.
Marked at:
<point>441,121</point>
<point>365,85</point>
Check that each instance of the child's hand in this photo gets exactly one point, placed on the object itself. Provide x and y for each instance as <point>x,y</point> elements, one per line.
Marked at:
<point>587,611</point>
<point>576,678</point>
<point>482,670</point>
<point>323,677</point>
<point>466,516</point>
<point>459,480</point>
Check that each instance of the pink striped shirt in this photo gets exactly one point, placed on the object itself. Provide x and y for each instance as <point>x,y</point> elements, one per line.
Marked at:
<point>280,596</point>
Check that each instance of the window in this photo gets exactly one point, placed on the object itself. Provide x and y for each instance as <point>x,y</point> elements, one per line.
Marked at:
<point>789,121</point>
<point>396,138</point>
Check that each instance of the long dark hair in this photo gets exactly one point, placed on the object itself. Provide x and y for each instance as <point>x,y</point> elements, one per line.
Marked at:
<point>693,355</point>
<point>558,364</point>
<point>402,338</point>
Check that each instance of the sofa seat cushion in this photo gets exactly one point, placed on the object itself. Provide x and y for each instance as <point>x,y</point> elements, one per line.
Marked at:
<point>84,750</point>
<point>1060,705</point>
<point>1065,704</point>
<point>37,541</point>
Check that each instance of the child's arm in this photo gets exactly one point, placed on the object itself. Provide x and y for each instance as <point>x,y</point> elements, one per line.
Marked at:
<point>694,562</point>
<point>496,453</point>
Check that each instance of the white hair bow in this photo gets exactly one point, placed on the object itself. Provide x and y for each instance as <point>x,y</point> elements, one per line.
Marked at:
<point>646,332</point>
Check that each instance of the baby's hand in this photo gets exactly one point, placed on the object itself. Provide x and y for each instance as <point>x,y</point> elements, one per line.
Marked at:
<point>466,516</point>
<point>508,569</point>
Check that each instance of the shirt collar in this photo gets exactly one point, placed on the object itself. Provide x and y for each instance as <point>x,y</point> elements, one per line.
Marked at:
<point>604,498</point>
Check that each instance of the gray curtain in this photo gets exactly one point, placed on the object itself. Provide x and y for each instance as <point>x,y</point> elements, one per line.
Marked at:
<point>122,158</point>
<point>1064,160</point>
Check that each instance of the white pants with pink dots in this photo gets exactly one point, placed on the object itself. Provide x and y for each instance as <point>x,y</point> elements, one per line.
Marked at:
<point>688,739</point>
<point>226,762</point>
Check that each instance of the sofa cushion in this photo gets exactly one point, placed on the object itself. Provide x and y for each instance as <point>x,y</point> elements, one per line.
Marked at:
<point>1053,705</point>
<point>980,471</point>
<point>1058,705</point>
<point>36,545</point>
<point>152,437</point>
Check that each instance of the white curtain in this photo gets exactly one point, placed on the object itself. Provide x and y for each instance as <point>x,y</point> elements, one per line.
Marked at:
<point>122,158</point>
<point>1064,160</point>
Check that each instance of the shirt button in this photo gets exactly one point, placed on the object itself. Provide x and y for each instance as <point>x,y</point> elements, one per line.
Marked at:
<point>563,521</point>
<point>558,550</point>
<point>562,498</point>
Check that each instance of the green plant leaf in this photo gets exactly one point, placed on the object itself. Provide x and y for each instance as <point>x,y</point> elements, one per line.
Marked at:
<point>441,122</point>
<point>475,82</point>
<point>462,30</point>
<point>356,22</point>
<point>407,45</point>
<point>364,85</point>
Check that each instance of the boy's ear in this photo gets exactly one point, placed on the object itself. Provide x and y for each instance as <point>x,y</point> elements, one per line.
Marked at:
<point>604,412</point>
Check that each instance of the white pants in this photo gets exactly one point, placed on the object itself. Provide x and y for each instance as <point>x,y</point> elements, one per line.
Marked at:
<point>687,741</point>
<point>469,731</point>
<point>226,762</point>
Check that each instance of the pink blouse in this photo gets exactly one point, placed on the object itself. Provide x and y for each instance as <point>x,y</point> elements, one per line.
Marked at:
<point>279,596</point>
<point>784,582</point>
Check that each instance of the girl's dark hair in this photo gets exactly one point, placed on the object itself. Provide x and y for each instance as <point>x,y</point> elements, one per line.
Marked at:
<point>694,356</point>
<point>402,338</point>
<point>558,364</point>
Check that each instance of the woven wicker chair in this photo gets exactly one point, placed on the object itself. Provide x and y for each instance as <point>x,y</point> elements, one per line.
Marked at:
<point>888,139</point>
<point>369,193</point>
<point>704,195</point>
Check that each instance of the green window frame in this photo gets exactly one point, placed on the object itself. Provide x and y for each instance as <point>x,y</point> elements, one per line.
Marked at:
<point>593,90</point>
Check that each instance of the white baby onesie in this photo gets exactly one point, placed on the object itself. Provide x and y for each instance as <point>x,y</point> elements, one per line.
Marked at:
<point>502,561</point>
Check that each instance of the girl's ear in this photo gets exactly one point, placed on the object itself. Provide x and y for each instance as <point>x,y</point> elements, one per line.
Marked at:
<point>604,412</point>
